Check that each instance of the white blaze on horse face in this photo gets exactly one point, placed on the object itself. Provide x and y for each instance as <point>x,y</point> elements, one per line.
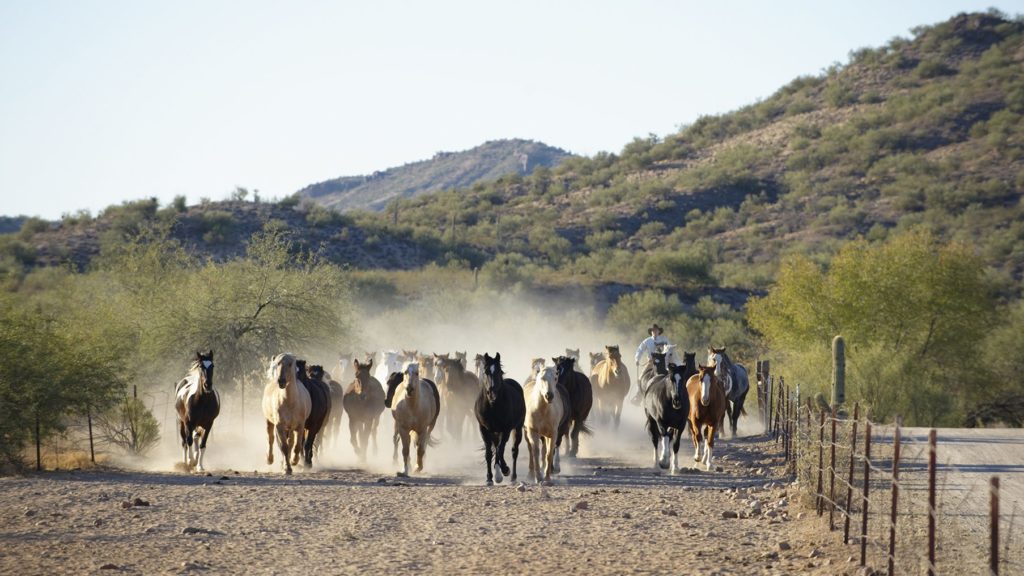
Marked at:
<point>207,364</point>
<point>705,389</point>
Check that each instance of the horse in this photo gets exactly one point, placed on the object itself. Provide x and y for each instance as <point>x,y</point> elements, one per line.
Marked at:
<point>658,366</point>
<point>427,365</point>
<point>500,412</point>
<point>536,365</point>
<point>581,399</point>
<point>735,381</point>
<point>197,405</point>
<point>667,407</point>
<point>286,406</point>
<point>312,377</point>
<point>345,370</point>
<point>707,408</point>
<point>461,357</point>
<point>547,420</point>
<point>611,384</point>
<point>575,355</point>
<point>415,404</point>
<point>364,402</point>
<point>407,356</point>
<point>332,427</point>
<point>458,391</point>
<point>390,363</point>
<point>595,359</point>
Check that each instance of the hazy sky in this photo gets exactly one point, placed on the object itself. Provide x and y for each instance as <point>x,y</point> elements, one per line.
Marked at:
<point>105,101</point>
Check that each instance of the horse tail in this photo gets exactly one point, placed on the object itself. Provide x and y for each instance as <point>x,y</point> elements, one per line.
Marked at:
<point>584,428</point>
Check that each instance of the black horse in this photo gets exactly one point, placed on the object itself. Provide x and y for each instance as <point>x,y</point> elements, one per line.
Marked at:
<point>319,405</point>
<point>667,406</point>
<point>500,411</point>
<point>658,366</point>
<point>581,399</point>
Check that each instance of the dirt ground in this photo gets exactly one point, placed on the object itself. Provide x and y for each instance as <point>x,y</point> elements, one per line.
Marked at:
<point>608,513</point>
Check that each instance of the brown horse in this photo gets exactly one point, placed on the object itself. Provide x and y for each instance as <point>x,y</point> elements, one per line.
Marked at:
<point>611,384</point>
<point>707,409</point>
<point>364,402</point>
<point>459,389</point>
<point>286,405</point>
<point>312,377</point>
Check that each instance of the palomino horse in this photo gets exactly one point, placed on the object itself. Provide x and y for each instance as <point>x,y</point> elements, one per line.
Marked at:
<point>667,407</point>
<point>595,359</point>
<point>735,381</point>
<point>611,384</point>
<point>312,377</point>
<point>658,366</point>
<point>415,405</point>
<point>500,411</point>
<point>581,399</point>
<point>707,408</point>
<point>458,388</point>
<point>364,402</point>
<point>197,405</point>
<point>547,420</point>
<point>286,406</point>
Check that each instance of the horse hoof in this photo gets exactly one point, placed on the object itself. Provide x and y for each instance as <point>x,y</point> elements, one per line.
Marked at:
<point>287,471</point>
<point>490,482</point>
<point>401,474</point>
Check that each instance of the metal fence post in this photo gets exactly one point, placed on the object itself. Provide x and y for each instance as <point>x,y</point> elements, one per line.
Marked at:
<point>895,500</point>
<point>832,476</point>
<point>931,502</point>
<point>821,461</point>
<point>867,484</point>
<point>849,486</point>
<point>993,529</point>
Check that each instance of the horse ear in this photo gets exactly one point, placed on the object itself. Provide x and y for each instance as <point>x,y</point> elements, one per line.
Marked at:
<point>672,366</point>
<point>497,356</point>
<point>209,353</point>
<point>369,364</point>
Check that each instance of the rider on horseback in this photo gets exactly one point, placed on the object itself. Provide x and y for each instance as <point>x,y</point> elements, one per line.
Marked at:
<point>656,342</point>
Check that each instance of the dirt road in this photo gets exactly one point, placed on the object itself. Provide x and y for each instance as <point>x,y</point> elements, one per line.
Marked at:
<point>604,515</point>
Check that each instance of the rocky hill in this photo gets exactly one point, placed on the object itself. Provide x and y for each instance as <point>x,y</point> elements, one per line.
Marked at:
<point>445,170</point>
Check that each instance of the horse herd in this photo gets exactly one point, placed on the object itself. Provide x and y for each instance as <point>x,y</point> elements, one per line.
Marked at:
<point>303,405</point>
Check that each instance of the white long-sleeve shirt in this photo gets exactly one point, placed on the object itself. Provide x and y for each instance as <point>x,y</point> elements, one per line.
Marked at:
<point>649,345</point>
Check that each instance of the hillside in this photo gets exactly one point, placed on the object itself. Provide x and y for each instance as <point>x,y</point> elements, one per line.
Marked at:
<point>445,170</point>
<point>923,131</point>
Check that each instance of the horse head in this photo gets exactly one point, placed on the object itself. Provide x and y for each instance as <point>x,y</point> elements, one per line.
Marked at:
<point>478,365</point>
<point>393,381</point>
<point>612,353</point>
<point>574,354</point>
<point>204,360</point>
<point>707,380</point>
<point>300,370</point>
<point>408,355</point>
<point>493,375</point>
<point>677,391</point>
<point>722,365</point>
<point>690,361</point>
<point>315,373</point>
<point>546,383</point>
<point>282,368</point>
<point>461,357</point>
<point>595,359</point>
<point>660,362</point>
<point>536,365</point>
<point>411,378</point>
<point>564,369</point>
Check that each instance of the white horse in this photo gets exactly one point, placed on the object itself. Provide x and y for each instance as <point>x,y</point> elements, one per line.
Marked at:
<point>546,416</point>
<point>286,406</point>
<point>391,362</point>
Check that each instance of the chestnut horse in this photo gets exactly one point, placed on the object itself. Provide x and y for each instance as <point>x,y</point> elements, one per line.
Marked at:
<point>611,384</point>
<point>286,406</point>
<point>707,408</point>
<point>364,402</point>
<point>197,405</point>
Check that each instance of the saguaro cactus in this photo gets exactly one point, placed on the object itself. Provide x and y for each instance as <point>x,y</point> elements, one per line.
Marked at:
<point>838,371</point>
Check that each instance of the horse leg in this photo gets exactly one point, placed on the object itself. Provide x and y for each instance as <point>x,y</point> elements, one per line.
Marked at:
<point>183,432</point>
<point>353,437</point>
<point>549,455</point>
<point>676,436</point>
<point>421,449</point>
<point>308,448</point>
<point>270,442</point>
<point>517,438</point>
<point>500,466</point>
<point>695,437</point>
<point>284,443</point>
<point>709,443</point>
<point>404,435</point>
<point>372,431</point>
<point>297,441</point>
<point>617,412</point>
<point>531,446</point>
<point>488,453</point>
<point>202,445</point>
<point>574,439</point>
<point>652,431</point>
<point>737,409</point>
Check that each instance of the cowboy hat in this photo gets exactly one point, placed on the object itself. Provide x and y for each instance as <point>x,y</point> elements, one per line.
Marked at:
<point>655,327</point>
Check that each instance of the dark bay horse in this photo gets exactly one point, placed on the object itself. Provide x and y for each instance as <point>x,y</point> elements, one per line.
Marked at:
<point>459,388</point>
<point>319,407</point>
<point>197,405</point>
<point>667,407</point>
<point>581,399</point>
<point>500,412</point>
<point>364,403</point>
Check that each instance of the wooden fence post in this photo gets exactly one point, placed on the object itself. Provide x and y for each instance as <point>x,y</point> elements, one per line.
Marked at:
<point>867,484</point>
<point>895,499</point>
<point>832,476</point>
<point>993,527</point>
<point>849,486</point>
<point>931,502</point>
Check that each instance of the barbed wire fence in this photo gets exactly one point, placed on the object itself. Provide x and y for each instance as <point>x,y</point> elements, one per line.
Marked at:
<point>885,490</point>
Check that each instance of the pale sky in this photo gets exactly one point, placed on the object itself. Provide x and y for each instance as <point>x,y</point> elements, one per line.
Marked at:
<point>107,101</point>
